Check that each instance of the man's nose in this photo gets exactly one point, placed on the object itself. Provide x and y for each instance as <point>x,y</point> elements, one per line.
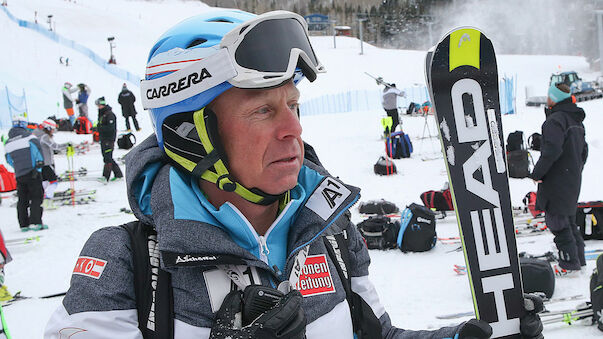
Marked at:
<point>289,125</point>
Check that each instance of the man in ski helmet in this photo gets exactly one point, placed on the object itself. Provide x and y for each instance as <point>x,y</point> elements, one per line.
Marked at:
<point>558,172</point>
<point>24,154</point>
<point>253,239</point>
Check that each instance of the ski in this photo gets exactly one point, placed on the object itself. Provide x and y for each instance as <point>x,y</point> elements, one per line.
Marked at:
<point>546,302</point>
<point>569,317</point>
<point>69,193</point>
<point>464,86</point>
<point>25,240</point>
<point>379,80</point>
<point>18,297</point>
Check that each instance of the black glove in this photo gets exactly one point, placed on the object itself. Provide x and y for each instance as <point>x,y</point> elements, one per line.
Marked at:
<point>286,319</point>
<point>474,329</point>
<point>530,324</point>
<point>40,164</point>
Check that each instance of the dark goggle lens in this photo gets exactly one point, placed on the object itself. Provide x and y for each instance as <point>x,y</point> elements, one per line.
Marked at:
<point>267,47</point>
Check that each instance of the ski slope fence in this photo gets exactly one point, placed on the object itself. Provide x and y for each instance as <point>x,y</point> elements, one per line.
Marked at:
<point>367,100</point>
<point>97,59</point>
<point>11,105</point>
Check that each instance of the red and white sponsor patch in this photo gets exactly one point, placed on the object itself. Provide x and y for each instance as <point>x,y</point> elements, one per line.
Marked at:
<point>90,267</point>
<point>315,277</point>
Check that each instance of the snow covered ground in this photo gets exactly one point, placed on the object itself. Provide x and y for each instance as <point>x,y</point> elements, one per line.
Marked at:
<point>413,287</point>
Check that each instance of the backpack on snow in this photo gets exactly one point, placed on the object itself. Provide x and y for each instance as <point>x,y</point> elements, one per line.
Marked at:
<point>126,141</point>
<point>515,141</point>
<point>589,218</point>
<point>530,202</point>
<point>438,200</point>
<point>398,145</point>
<point>379,232</point>
<point>384,166</point>
<point>64,125</point>
<point>537,276</point>
<point>534,141</point>
<point>8,182</point>
<point>596,293</point>
<point>417,229</point>
<point>82,125</point>
<point>380,207</point>
<point>518,162</point>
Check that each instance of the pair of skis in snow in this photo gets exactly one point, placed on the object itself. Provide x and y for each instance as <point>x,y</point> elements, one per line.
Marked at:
<point>462,76</point>
<point>579,312</point>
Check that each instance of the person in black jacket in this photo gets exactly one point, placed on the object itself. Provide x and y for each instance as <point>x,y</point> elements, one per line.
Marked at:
<point>558,173</point>
<point>107,130</point>
<point>126,99</point>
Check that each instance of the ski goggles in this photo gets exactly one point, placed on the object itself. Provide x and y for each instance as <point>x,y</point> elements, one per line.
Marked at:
<point>264,52</point>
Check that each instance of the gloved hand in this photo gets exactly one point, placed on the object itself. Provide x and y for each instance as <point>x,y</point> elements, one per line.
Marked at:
<point>286,319</point>
<point>530,324</point>
<point>474,329</point>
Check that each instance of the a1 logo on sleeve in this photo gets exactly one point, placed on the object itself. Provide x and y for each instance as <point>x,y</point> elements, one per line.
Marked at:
<point>89,267</point>
<point>327,197</point>
<point>315,277</point>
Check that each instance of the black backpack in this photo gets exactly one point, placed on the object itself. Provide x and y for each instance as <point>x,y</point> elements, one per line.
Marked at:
<point>379,232</point>
<point>589,218</point>
<point>438,200</point>
<point>519,163</point>
<point>384,167</point>
<point>537,276</point>
<point>596,293</point>
<point>64,125</point>
<point>381,207</point>
<point>417,229</point>
<point>126,141</point>
<point>515,141</point>
<point>534,141</point>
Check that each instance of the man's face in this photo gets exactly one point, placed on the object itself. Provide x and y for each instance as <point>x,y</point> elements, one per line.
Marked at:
<point>261,135</point>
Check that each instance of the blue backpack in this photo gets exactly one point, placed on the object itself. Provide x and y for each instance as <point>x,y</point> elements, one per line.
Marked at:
<point>398,145</point>
<point>417,229</point>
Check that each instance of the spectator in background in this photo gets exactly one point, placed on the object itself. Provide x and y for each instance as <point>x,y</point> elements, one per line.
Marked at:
<point>126,99</point>
<point>107,129</point>
<point>24,154</point>
<point>558,173</point>
<point>389,100</point>
<point>49,177</point>
<point>82,99</point>
<point>68,101</point>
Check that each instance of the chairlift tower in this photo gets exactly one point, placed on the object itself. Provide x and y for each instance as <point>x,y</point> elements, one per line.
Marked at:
<point>111,41</point>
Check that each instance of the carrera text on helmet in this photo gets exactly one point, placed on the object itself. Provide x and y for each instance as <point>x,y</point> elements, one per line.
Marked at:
<point>177,86</point>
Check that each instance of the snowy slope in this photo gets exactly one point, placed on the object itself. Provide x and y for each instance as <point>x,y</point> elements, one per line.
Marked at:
<point>413,287</point>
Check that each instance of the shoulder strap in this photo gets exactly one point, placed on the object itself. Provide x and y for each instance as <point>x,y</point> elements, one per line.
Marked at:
<point>365,324</point>
<point>152,285</point>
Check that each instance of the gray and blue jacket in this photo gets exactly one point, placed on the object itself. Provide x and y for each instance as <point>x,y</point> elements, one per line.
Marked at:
<point>23,151</point>
<point>101,298</point>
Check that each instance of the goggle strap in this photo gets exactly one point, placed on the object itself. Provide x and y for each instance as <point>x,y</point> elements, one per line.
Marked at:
<point>189,81</point>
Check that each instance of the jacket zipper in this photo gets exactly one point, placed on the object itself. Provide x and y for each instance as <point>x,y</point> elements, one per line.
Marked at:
<point>264,251</point>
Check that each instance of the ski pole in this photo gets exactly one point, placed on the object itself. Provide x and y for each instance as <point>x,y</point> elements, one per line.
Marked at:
<point>70,153</point>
